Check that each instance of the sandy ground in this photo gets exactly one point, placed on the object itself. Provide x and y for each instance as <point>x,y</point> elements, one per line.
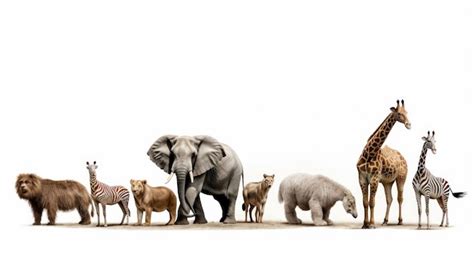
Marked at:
<point>244,226</point>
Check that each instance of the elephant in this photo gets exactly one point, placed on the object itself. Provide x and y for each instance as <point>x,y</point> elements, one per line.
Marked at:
<point>200,164</point>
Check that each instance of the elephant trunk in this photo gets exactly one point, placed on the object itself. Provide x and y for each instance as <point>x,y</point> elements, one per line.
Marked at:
<point>185,206</point>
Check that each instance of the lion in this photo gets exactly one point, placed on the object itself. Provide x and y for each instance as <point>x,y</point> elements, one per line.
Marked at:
<point>54,195</point>
<point>156,199</point>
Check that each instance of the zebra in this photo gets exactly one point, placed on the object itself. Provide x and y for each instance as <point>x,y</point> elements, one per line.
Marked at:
<point>107,195</point>
<point>431,187</point>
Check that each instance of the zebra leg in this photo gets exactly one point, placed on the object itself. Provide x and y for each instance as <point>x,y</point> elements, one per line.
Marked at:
<point>441,205</point>
<point>97,210</point>
<point>418,202</point>
<point>388,197</point>
<point>124,211</point>
<point>427,201</point>
<point>105,215</point>
<point>446,209</point>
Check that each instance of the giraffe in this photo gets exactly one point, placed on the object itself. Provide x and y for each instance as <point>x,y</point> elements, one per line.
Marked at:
<point>385,165</point>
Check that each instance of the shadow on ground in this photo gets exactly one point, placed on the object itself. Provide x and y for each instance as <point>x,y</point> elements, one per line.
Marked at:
<point>243,226</point>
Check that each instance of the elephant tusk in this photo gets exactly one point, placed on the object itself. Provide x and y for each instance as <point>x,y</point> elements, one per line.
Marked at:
<point>169,178</point>
<point>191,176</point>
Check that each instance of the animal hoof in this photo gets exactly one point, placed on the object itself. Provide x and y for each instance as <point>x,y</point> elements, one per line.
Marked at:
<point>50,223</point>
<point>105,225</point>
<point>85,222</point>
<point>36,223</point>
<point>400,222</point>
<point>182,222</point>
<point>385,222</point>
<point>200,221</point>
<point>365,226</point>
<point>330,222</point>
<point>230,221</point>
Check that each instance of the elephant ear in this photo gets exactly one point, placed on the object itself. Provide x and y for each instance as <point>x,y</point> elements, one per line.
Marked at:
<point>210,152</point>
<point>160,152</point>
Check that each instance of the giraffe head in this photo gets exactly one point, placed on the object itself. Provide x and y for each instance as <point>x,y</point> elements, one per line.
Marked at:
<point>430,142</point>
<point>401,115</point>
<point>91,167</point>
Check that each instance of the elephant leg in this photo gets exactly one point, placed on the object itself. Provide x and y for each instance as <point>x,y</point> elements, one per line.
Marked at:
<point>230,216</point>
<point>223,203</point>
<point>200,217</point>
<point>182,219</point>
<point>232,194</point>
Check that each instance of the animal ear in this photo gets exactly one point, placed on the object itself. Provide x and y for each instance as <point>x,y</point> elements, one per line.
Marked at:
<point>131,181</point>
<point>144,182</point>
<point>424,139</point>
<point>393,109</point>
<point>87,162</point>
<point>160,152</point>
<point>209,153</point>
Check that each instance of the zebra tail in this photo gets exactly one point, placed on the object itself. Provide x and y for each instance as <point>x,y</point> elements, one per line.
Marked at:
<point>458,194</point>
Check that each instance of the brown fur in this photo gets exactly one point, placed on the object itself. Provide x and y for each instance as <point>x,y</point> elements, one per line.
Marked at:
<point>53,195</point>
<point>255,195</point>
<point>153,199</point>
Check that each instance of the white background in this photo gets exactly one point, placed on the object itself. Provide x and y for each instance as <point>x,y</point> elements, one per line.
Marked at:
<point>292,86</point>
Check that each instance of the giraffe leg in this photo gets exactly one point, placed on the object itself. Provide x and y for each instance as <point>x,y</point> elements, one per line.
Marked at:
<point>427,201</point>
<point>364,186</point>
<point>441,205</point>
<point>389,199</point>
<point>374,183</point>
<point>418,202</point>
<point>400,184</point>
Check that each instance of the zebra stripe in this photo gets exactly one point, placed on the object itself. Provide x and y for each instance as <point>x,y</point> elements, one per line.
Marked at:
<point>431,187</point>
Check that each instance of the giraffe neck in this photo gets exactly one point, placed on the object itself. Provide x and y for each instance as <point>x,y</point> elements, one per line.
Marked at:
<point>378,138</point>
<point>421,164</point>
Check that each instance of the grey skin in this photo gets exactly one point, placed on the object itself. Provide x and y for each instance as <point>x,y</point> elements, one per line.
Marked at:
<point>201,164</point>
